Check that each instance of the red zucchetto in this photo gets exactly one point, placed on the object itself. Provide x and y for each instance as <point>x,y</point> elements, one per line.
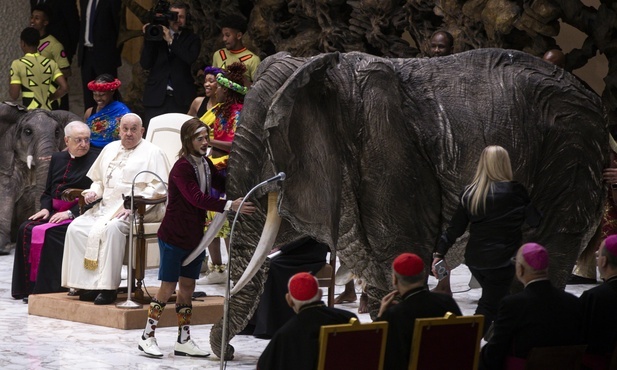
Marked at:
<point>303,286</point>
<point>408,264</point>
<point>535,255</point>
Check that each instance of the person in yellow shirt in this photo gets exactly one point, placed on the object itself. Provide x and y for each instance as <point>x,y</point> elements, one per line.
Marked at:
<point>33,75</point>
<point>232,30</point>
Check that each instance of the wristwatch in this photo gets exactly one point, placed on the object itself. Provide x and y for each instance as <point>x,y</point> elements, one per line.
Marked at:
<point>68,212</point>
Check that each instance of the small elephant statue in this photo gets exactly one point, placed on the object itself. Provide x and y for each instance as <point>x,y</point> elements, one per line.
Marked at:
<point>27,140</point>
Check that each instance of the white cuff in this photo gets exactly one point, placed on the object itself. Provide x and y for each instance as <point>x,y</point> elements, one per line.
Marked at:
<point>228,205</point>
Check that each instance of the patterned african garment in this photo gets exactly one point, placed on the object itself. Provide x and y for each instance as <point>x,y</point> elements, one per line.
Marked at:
<point>105,124</point>
<point>35,74</point>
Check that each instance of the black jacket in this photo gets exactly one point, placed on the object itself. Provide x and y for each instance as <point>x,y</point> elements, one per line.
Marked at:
<point>539,316</point>
<point>494,234</point>
<point>106,55</point>
<point>170,65</point>
<point>415,304</point>
<point>599,324</point>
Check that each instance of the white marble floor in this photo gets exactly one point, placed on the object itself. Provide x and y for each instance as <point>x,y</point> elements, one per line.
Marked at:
<point>32,342</point>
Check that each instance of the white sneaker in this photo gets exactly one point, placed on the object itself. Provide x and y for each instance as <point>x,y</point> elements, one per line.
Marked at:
<point>149,347</point>
<point>212,278</point>
<point>189,349</point>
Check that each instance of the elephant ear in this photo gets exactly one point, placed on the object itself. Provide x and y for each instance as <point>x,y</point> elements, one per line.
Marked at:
<point>301,140</point>
<point>63,117</point>
<point>7,150</point>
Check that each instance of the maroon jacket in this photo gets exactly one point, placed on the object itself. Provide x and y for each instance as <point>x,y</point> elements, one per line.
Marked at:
<point>183,224</point>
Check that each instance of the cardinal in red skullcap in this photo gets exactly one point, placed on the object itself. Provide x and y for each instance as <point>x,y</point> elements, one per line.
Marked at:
<point>410,300</point>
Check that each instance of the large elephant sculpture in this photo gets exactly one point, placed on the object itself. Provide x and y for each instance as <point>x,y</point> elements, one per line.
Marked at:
<point>376,152</point>
<point>27,140</point>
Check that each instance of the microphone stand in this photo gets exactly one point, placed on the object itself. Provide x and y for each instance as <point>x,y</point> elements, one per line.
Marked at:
<point>129,303</point>
<point>280,176</point>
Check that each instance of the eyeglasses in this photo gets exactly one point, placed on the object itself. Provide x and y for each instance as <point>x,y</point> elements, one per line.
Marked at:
<point>77,140</point>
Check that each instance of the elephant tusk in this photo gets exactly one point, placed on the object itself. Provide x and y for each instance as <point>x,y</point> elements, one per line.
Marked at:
<point>29,161</point>
<point>268,235</point>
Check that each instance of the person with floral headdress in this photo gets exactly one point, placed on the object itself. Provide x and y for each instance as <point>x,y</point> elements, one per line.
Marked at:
<point>230,98</point>
<point>104,118</point>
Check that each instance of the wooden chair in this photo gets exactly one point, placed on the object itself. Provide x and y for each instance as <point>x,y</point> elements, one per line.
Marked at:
<point>325,277</point>
<point>446,343</point>
<point>164,132</point>
<point>352,346</point>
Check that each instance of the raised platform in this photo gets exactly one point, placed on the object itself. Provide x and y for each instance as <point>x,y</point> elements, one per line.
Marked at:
<point>207,310</point>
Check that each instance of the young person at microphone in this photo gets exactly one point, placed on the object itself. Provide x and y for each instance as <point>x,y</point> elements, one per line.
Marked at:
<point>181,230</point>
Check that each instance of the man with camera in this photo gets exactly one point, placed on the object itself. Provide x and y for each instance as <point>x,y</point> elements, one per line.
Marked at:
<point>414,302</point>
<point>170,48</point>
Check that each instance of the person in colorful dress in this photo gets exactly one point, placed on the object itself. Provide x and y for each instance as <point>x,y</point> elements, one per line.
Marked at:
<point>104,118</point>
<point>230,97</point>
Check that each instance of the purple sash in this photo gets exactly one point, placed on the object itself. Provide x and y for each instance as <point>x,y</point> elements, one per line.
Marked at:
<point>38,236</point>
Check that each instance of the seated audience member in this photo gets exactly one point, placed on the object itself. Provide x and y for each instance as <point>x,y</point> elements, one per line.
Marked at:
<point>95,242</point>
<point>296,344</point>
<point>539,316</point>
<point>441,44</point>
<point>600,306</point>
<point>303,255</point>
<point>104,117</point>
<point>41,238</point>
<point>415,301</point>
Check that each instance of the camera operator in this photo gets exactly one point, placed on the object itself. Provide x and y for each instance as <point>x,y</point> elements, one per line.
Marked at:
<point>170,48</point>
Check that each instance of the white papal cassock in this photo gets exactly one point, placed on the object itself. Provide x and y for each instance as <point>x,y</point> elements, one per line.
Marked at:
<point>95,241</point>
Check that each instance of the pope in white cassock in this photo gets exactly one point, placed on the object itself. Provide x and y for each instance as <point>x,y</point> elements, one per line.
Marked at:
<point>95,242</point>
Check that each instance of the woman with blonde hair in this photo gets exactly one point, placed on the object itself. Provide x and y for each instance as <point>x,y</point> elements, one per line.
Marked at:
<point>495,207</point>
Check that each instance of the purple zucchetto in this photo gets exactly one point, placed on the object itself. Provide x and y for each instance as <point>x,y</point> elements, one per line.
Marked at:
<point>535,255</point>
<point>611,244</point>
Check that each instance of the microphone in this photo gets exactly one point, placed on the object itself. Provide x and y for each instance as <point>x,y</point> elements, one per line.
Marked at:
<point>279,176</point>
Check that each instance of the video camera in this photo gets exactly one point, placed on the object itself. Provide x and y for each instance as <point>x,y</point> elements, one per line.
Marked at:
<point>160,16</point>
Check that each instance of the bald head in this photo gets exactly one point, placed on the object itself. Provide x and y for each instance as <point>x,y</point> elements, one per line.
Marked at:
<point>555,57</point>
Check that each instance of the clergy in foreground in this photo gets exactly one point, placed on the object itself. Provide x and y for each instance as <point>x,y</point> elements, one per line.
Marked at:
<point>410,300</point>
<point>95,242</point>
<point>296,344</point>
<point>40,241</point>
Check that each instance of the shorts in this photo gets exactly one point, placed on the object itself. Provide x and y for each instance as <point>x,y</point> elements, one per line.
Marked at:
<point>171,263</point>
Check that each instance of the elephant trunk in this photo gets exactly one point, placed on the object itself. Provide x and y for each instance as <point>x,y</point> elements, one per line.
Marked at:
<point>270,231</point>
<point>38,163</point>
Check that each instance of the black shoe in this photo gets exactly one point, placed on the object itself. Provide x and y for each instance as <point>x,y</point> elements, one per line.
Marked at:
<point>25,300</point>
<point>106,297</point>
<point>4,252</point>
<point>575,280</point>
<point>88,295</point>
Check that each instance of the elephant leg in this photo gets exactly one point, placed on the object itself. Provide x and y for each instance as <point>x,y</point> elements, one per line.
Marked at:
<point>243,306</point>
<point>374,300</point>
<point>586,262</point>
<point>5,226</point>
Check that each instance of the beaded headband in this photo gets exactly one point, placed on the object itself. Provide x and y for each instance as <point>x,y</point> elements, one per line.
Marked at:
<point>230,84</point>
<point>104,86</point>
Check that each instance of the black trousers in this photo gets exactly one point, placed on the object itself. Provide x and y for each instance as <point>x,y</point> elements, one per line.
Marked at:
<point>495,285</point>
<point>169,106</point>
<point>89,72</point>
